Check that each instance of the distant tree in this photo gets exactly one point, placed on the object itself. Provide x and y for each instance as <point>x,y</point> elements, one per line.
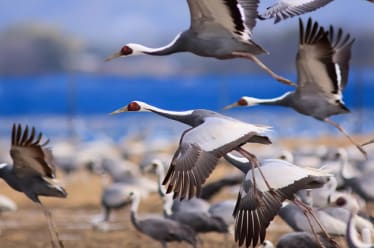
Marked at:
<point>35,49</point>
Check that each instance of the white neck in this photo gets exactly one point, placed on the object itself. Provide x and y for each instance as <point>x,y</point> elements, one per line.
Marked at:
<point>160,173</point>
<point>170,48</point>
<point>366,235</point>
<point>151,108</point>
<point>168,204</point>
<point>135,203</point>
<point>345,171</point>
<point>281,100</point>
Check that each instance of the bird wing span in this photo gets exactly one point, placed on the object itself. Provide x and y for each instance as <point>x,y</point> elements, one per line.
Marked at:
<point>216,132</point>
<point>253,215</point>
<point>201,147</point>
<point>237,16</point>
<point>188,170</point>
<point>316,70</point>
<point>342,54</point>
<point>28,154</point>
<point>284,9</point>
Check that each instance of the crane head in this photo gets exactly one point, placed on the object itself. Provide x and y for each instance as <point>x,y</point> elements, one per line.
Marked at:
<point>125,51</point>
<point>344,200</point>
<point>243,101</point>
<point>134,106</point>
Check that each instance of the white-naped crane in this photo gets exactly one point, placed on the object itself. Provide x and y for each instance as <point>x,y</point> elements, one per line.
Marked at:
<point>202,145</point>
<point>260,201</point>
<point>220,29</point>
<point>159,228</point>
<point>361,183</point>
<point>322,65</point>
<point>284,9</point>
<point>193,212</point>
<point>352,236</point>
<point>32,172</point>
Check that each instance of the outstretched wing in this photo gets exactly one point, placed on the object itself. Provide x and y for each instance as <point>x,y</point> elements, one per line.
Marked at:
<point>284,9</point>
<point>29,156</point>
<point>236,16</point>
<point>342,46</point>
<point>253,215</point>
<point>316,70</point>
<point>201,147</point>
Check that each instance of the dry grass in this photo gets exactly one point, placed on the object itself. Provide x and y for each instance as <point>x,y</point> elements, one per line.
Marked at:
<point>27,226</point>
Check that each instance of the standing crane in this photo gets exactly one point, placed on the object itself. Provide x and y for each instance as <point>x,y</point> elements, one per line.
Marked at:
<point>159,228</point>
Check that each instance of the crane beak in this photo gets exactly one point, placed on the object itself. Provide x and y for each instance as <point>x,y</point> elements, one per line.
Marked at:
<point>235,104</point>
<point>118,111</point>
<point>113,56</point>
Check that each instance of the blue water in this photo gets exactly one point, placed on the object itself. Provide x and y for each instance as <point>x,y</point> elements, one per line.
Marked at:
<point>93,94</point>
<point>47,101</point>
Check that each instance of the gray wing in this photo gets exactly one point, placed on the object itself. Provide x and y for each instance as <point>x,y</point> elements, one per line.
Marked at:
<point>316,70</point>
<point>201,147</point>
<point>188,170</point>
<point>29,156</point>
<point>253,215</point>
<point>237,16</point>
<point>284,9</point>
<point>342,54</point>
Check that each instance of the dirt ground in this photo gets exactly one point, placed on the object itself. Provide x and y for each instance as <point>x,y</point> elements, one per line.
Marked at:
<point>27,227</point>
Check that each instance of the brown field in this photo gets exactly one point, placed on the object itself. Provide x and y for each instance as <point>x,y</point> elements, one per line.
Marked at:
<point>27,227</point>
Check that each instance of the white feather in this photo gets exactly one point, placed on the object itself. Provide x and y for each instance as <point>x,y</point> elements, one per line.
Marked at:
<point>280,173</point>
<point>216,132</point>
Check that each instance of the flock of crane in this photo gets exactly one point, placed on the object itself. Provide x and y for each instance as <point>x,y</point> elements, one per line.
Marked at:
<point>222,29</point>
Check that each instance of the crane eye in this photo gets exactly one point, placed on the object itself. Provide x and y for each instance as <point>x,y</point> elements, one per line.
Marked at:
<point>242,102</point>
<point>126,50</point>
<point>133,106</point>
<point>341,201</point>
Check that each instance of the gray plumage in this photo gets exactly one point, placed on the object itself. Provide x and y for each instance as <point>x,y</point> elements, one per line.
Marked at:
<point>302,240</point>
<point>322,65</point>
<point>159,228</point>
<point>32,171</point>
<point>115,196</point>
<point>200,222</point>
<point>223,210</point>
<point>32,166</point>
<point>220,29</point>
<point>256,207</point>
<point>213,188</point>
<point>361,183</point>
<point>192,212</point>
<point>284,9</point>
<point>201,146</point>
<point>295,218</point>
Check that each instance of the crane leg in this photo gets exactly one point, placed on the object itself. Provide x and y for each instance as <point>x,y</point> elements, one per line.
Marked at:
<point>309,210</point>
<point>367,142</point>
<point>52,228</point>
<point>254,163</point>
<point>336,125</point>
<point>264,67</point>
<point>309,222</point>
